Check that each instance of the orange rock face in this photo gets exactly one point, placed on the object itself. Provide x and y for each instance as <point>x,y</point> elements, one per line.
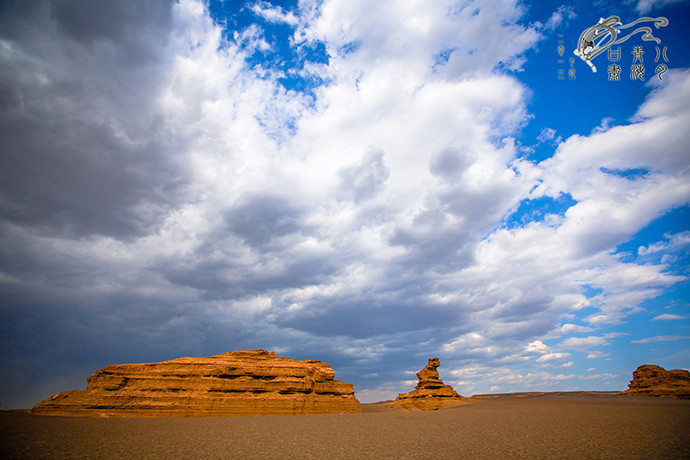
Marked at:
<point>653,380</point>
<point>430,393</point>
<point>234,383</point>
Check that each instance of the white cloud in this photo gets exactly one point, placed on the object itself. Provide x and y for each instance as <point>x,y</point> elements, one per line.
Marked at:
<point>583,343</point>
<point>553,357</point>
<point>646,6</point>
<point>586,343</point>
<point>546,134</point>
<point>668,317</point>
<point>391,34</point>
<point>597,354</point>
<point>274,14</point>
<point>674,242</point>
<point>537,347</point>
<point>572,328</point>
<point>474,344</point>
<point>607,212</point>
<point>557,366</point>
<point>662,338</point>
<point>562,15</point>
<point>608,206</point>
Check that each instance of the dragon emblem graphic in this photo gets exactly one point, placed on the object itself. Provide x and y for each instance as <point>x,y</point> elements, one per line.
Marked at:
<point>601,36</point>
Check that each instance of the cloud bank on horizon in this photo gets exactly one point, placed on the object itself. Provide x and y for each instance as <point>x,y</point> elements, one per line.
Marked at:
<point>366,184</point>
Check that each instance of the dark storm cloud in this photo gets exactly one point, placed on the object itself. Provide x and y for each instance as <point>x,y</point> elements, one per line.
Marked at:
<point>83,148</point>
<point>53,340</point>
<point>258,218</point>
<point>87,21</point>
<point>81,183</point>
<point>366,317</point>
<point>85,152</point>
<point>233,280</point>
<point>252,251</point>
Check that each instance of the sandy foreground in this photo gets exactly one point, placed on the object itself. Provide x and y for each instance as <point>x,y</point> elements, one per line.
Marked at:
<point>546,426</point>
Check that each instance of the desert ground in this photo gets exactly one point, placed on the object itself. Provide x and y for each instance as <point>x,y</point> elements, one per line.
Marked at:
<point>555,425</point>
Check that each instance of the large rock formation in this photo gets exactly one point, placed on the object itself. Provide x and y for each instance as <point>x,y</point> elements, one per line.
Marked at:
<point>653,380</point>
<point>234,383</point>
<point>430,393</point>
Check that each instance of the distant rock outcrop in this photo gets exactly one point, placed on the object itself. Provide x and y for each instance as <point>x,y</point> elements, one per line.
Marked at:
<point>430,393</point>
<point>234,383</point>
<point>653,380</point>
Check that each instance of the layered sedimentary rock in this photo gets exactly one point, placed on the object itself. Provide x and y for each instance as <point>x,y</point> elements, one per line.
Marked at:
<point>430,393</point>
<point>653,380</point>
<point>234,383</point>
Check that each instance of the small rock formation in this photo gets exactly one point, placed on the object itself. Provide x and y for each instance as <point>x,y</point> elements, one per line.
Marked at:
<point>652,380</point>
<point>233,383</point>
<point>430,393</point>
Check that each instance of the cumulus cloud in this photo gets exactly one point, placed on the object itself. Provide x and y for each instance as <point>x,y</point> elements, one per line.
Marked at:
<point>365,180</point>
<point>553,357</point>
<point>450,163</point>
<point>461,38</point>
<point>537,347</point>
<point>571,328</point>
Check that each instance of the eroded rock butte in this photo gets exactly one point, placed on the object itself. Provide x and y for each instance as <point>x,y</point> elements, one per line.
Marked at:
<point>430,393</point>
<point>653,380</point>
<point>234,383</point>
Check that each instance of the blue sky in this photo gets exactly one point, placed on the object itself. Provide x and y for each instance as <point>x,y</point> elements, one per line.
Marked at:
<point>370,184</point>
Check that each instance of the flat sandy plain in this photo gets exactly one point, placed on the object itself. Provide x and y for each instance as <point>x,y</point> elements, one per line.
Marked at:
<point>534,426</point>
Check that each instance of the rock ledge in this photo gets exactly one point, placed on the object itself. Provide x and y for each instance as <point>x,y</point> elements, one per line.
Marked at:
<point>652,380</point>
<point>233,383</point>
<point>430,393</point>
